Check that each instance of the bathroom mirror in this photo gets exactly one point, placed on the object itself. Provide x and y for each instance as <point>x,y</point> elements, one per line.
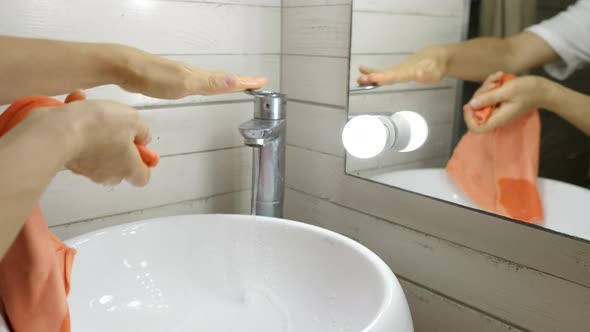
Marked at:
<point>411,153</point>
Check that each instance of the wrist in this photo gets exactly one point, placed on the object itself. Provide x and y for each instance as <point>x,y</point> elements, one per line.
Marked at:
<point>62,126</point>
<point>552,95</point>
<point>441,55</point>
<point>115,62</point>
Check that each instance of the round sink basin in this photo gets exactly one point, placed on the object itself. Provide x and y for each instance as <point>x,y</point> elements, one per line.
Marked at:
<point>221,273</point>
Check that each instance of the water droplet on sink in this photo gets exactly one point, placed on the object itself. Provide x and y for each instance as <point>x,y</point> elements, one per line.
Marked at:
<point>134,304</point>
<point>105,299</point>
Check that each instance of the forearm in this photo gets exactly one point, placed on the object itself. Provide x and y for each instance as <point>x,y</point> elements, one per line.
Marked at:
<point>568,104</point>
<point>30,156</point>
<point>47,67</point>
<point>476,59</point>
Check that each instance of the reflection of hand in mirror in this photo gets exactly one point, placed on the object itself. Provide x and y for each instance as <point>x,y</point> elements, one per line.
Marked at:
<point>514,98</point>
<point>427,66</point>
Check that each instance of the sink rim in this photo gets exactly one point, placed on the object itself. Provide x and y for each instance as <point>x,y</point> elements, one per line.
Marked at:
<point>386,276</point>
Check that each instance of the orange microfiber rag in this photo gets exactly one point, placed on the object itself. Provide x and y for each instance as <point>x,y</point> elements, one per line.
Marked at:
<point>498,170</point>
<point>35,272</point>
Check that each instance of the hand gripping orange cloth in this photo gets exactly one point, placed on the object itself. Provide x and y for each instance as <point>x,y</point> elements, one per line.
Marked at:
<point>498,170</point>
<point>35,272</point>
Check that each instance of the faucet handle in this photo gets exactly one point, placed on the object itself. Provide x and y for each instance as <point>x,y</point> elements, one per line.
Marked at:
<point>264,94</point>
<point>268,105</point>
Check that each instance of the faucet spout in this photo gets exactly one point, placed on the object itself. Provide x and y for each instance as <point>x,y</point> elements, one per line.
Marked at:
<point>266,134</point>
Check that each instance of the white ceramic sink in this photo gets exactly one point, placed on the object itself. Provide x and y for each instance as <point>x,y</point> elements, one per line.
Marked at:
<point>565,205</point>
<point>220,273</point>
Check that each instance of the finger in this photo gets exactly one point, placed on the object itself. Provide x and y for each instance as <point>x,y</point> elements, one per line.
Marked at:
<point>484,88</point>
<point>226,83</point>
<point>491,98</point>
<point>367,70</point>
<point>363,80</point>
<point>142,133</point>
<point>250,83</point>
<point>112,182</point>
<point>470,120</point>
<point>138,173</point>
<point>502,116</point>
<point>391,77</point>
<point>489,84</point>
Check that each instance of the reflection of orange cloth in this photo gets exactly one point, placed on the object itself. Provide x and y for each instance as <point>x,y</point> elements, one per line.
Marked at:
<point>498,169</point>
<point>35,272</point>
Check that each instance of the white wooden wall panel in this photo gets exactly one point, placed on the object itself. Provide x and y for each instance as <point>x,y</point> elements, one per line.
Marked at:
<point>312,127</point>
<point>317,30</point>
<point>312,3</point>
<point>525,297</point>
<point>162,27</point>
<point>435,313</point>
<point>71,198</point>
<point>234,203</point>
<point>413,7</point>
<point>189,129</point>
<point>401,33</point>
<point>315,79</point>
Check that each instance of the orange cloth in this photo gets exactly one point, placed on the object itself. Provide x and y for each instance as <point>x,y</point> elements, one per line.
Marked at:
<point>35,272</point>
<point>498,170</point>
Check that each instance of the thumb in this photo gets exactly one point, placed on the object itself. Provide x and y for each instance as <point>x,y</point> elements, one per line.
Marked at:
<point>491,98</point>
<point>139,172</point>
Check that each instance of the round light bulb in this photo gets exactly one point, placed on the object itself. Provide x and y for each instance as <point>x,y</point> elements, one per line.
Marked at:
<point>418,129</point>
<point>365,136</point>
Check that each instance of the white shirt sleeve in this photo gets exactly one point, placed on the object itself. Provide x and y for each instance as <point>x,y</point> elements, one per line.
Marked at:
<point>568,33</point>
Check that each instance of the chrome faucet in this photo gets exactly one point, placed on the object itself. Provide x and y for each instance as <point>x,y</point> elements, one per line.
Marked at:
<point>265,133</point>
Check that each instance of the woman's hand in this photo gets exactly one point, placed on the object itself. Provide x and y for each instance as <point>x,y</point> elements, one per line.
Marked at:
<point>513,99</point>
<point>427,66</point>
<point>159,77</point>
<point>50,67</point>
<point>106,133</point>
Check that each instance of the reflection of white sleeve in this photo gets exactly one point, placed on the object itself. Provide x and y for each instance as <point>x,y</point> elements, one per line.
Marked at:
<point>3,327</point>
<point>568,33</point>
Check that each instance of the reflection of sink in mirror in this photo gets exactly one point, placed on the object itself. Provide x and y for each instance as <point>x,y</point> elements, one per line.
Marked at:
<point>231,273</point>
<point>565,205</point>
